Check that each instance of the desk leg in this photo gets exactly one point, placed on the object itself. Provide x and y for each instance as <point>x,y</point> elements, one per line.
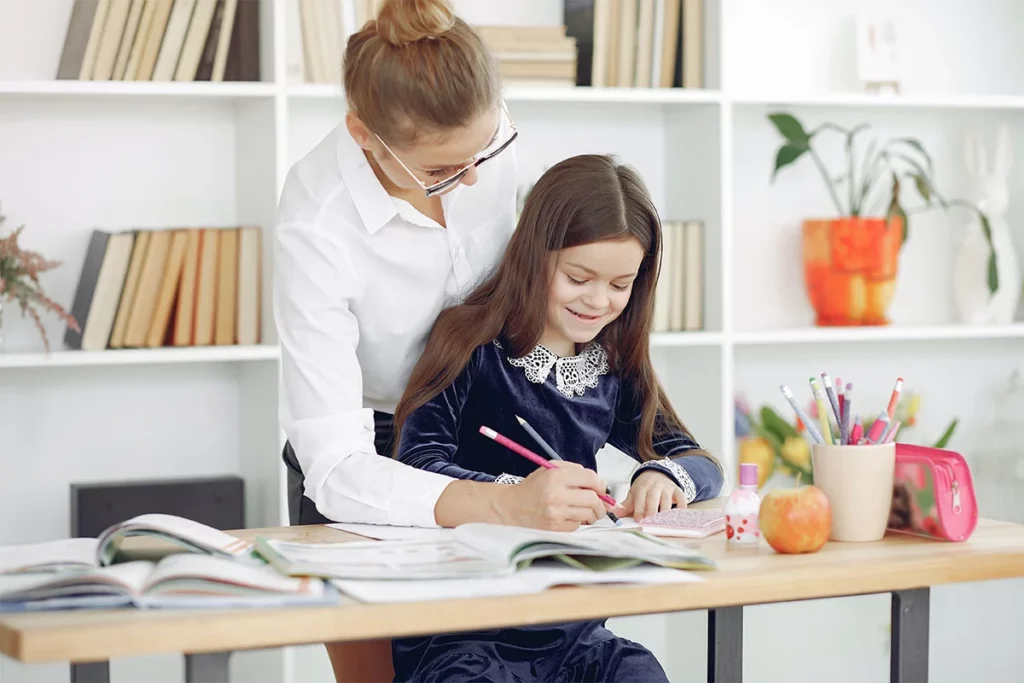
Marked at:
<point>725,645</point>
<point>208,667</point>
<point>90,672</point>
<point>908,657</point>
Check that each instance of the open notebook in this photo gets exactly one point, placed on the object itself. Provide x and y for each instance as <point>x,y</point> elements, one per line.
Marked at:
<point>180,580</point>
<point>476,550</point>
<point>165,532</point>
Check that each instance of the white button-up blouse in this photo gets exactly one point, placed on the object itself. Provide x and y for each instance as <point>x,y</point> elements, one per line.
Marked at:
<point>359,278</point>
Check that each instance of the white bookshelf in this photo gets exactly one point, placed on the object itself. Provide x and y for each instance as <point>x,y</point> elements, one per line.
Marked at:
<point>79,155</point>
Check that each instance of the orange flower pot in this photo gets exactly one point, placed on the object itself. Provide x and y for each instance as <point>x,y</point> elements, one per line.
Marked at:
<point>850,267</point>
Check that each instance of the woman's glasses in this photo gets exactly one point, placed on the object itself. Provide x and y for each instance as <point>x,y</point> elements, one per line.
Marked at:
<point>492,151</point>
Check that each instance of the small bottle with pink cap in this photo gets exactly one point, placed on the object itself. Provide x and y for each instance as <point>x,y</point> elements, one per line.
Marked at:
<point>742,507</point>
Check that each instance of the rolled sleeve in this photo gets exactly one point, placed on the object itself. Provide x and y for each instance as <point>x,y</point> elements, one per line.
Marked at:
<point>322,411</point>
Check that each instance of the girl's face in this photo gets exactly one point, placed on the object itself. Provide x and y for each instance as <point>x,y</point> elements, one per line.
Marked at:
<point>590,287</point>
<point>426,163</point>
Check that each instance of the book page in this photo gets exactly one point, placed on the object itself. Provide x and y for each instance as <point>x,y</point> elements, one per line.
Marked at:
<point>379,559</point>
<point>48,556</point>
<point>186,533</point>
<point>232,576</point>
<point>529,580</point>
<point>121,579</point>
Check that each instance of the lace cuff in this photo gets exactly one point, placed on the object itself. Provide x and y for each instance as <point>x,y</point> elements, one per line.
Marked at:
<point>674,470</point>
<point>507,479</point>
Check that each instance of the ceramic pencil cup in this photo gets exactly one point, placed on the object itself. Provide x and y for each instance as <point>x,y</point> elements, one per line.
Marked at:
<point>857,480</point>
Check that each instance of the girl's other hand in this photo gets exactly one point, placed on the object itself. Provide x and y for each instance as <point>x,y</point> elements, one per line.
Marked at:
<point>651,493</point>
<point>559,499</point>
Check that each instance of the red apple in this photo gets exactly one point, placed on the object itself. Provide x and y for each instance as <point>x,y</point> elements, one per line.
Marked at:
<point>795,520</point>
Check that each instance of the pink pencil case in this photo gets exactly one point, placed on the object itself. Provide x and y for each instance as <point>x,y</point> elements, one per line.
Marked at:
<point>932,494</point>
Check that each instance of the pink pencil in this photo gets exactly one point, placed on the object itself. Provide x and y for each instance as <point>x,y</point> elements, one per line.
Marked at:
<point>531,456</point>
<point>895,398</point>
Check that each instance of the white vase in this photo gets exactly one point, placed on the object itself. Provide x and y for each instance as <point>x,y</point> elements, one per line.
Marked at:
<point>975,303</point>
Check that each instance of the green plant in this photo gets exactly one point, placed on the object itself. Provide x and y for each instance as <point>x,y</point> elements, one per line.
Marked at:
<point>19,282</point>
<point>873,184</point>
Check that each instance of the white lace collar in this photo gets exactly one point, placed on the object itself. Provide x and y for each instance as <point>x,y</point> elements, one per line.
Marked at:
<point>573,374</point>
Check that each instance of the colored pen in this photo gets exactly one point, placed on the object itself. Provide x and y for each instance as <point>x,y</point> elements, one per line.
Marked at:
<point>857,432</point>
<point>890,436</point>
<point>841,396</point>
<point>545,445</point>
<point>811,429</point>
<point>831,393</point>
<point>537,460</point>
<point>819,397</point>
<point>878,428</point>
<point>894,398</point>
<point>847,411</point>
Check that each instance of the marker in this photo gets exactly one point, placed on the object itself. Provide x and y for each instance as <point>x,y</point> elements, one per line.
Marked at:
<point>811,429</point>
<point>895,398</point>
<point>544,444</point>
<point>878,428</point>
<point>847,398</point>
<point>841,396</point>
<point>857,432</point>
<point>819,397</point>
<point>831,392</point>
<point>537,460</point>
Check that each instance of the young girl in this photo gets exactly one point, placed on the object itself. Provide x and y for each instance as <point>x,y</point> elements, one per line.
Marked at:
<point>558,336</point>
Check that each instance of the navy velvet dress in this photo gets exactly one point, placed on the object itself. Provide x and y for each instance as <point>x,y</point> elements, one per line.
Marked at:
<point>577,406</point>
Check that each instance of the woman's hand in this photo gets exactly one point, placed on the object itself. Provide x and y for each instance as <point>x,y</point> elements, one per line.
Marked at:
<point>650,493</point>
<point>559,499</point>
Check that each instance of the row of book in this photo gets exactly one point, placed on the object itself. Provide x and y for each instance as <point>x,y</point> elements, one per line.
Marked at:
<point>147,288</point>
<point>162,40</point>
<point>638,43</point>
<point>318,31</point>
<point>679,296</point>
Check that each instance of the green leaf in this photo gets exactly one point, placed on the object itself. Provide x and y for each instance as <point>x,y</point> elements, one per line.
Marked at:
<point>923,188</point>
<point>776,424</point>
<point>947,435</point>
<point>918,146</point>
<point>787,154</point>
<point>986,228</point>
<point>789,127</point>
<point>993,273</point>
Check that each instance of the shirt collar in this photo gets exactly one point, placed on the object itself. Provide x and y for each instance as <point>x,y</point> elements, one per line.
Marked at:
<point>371,200</point>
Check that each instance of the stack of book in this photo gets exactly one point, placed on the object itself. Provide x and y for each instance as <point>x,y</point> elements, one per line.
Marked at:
<point>162,40</point>
<point>638,43</point>
<point>532,55</point>
<point>679,297</point>
<point>168,287</point>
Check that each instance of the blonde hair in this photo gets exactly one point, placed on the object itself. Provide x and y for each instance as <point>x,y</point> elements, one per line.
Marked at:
<point>417,70</point>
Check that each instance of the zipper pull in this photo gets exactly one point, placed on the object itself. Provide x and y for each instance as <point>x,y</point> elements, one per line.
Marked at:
<point>956,498</point>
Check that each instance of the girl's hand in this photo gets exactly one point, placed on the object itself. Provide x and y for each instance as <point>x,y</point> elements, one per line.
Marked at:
<point>651,493</point>
<point>559,499</point>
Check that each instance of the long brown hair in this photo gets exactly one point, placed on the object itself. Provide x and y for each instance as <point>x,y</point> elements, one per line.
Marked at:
<point>417,69</point>
<point>580,200</point>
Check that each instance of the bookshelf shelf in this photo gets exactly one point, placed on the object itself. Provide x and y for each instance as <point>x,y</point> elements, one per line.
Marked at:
<point>142,89</point>
<point>878,335</point>
<point>158,356</point>
<point>555,95</point>
<point>674,339</point>
<point>856,100</point>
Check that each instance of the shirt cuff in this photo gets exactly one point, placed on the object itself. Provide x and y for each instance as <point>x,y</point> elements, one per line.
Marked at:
<point>415,495</point>
<point>674,471</point>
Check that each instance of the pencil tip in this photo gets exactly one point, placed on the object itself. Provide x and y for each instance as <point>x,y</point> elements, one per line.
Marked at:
<point>521,420</point>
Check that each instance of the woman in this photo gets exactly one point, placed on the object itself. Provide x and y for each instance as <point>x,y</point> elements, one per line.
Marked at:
<point>392,217</point>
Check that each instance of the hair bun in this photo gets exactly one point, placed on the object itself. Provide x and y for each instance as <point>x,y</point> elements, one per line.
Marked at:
<point>400,22</point>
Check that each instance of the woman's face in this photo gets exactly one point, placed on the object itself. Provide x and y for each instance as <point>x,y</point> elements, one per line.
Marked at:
<point>434,158</point>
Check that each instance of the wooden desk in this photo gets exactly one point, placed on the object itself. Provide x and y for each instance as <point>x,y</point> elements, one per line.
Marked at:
<point>904,566</point>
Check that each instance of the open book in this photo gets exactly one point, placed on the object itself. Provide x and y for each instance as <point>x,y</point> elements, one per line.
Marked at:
<point>162,533</point>
<point>180,580</point>
<point>476,550</point>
